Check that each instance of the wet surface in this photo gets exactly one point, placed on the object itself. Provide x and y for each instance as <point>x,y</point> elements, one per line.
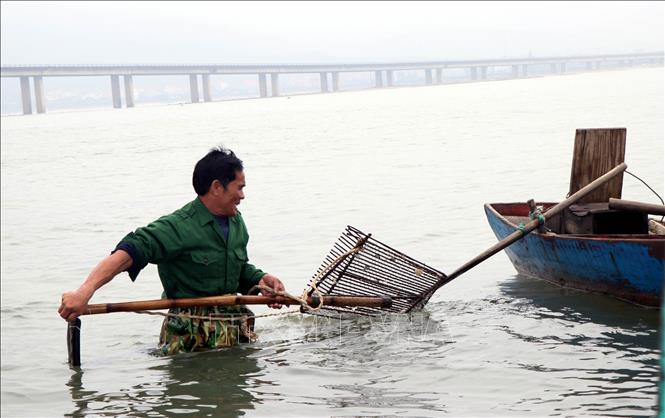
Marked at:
<point>413,166</point>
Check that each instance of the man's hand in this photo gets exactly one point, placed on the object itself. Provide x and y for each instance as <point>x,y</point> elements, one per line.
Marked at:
<point>276,285</point>
<point>74,303</point>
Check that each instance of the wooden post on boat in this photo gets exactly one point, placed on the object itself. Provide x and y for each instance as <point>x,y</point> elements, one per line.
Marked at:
<point>596,152</point>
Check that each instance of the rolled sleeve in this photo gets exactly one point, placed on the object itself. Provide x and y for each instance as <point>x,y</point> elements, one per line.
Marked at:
<point>135,268</point>
<point>157,242</point>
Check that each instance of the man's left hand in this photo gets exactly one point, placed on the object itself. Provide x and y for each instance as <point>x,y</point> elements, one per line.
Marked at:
<point>276,285</point>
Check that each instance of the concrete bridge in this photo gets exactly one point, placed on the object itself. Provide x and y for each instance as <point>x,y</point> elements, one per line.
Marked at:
<point>268,74</point>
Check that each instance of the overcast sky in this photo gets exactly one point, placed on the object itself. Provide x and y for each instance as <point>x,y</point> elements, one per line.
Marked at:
<point>258,32</point>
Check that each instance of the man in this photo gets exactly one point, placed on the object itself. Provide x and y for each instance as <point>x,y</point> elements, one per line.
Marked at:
<point>200,250</point>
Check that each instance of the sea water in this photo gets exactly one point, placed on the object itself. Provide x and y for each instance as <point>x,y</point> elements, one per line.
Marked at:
<point>414,167</point>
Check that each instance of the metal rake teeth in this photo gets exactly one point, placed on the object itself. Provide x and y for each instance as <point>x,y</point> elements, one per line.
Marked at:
<point>359,265</point>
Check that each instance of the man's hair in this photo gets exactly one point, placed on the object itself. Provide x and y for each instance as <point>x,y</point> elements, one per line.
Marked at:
<point>219,164</point>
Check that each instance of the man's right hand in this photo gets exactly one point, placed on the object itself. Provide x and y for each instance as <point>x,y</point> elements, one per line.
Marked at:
<point>73,304</point>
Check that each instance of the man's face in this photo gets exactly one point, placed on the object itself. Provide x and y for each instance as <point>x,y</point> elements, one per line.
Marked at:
<point>227,200</point>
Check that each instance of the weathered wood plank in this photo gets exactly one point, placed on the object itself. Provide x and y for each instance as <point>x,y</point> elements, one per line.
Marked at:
<point>596,152</point>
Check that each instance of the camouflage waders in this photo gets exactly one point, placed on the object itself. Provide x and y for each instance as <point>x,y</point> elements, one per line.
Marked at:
<point>182,334</point>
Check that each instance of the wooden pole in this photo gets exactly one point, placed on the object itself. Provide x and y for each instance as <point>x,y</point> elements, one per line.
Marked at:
<point>521,233</point>
<point>228,300</point>
<point>650,208</point>
<point>553,211</point>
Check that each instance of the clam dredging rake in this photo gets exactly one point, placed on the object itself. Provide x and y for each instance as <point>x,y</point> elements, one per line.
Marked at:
<point>359,276</point>
<point>359,265</point>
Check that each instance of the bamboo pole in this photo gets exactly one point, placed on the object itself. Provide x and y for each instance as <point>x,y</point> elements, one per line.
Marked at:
<point>228,300</point>
<point>74,327</point>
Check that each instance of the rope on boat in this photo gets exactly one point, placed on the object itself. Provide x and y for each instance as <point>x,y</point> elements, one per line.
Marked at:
<point>645,183</point>
<point>538,214</point>
<point>649,187</point>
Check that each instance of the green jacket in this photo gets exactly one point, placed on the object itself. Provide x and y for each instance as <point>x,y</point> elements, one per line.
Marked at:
<point>192,257</point>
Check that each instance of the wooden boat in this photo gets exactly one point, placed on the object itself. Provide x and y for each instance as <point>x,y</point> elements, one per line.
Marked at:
<point>610,251</point>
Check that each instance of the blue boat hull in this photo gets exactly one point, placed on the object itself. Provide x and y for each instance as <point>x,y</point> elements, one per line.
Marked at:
<point>627,267</point>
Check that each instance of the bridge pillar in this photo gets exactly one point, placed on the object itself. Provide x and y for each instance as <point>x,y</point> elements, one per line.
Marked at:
<point>563,68</point>
<point>378,79</point>
<point>335,80</point>
<point>525,71</point>
<point>428,76</point>
<point>194,88</point>
<point>516,71</point>
<point>40,102</point>
<point>439,76</point>
<point>597,65</point>
<point>263,85</point>
<point>483,72</point>
<point>474,73</point>
<point>553,69</point>
<point>324,82</point>
<point>129,90</point>
<point>274,84</point>
<point>589,66</point>
<point>205,80</point>
<point>390,78</point>
<point>25,95</point>
<point>115,92</point>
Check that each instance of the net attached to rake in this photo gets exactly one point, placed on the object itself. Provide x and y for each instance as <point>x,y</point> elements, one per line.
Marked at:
<point>359,265</point>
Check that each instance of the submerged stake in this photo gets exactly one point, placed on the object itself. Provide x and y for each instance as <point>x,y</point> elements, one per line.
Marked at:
<point>74,342</point>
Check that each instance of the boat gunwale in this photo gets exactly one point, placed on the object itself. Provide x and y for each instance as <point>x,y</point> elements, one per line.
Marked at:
<point>632,238</point>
